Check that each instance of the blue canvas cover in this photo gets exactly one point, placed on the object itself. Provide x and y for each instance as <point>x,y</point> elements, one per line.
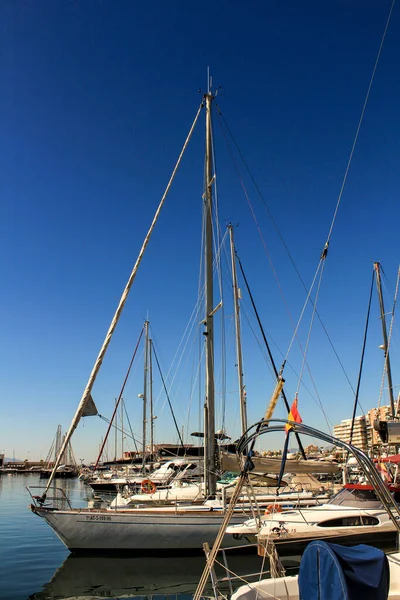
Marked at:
<point>333,572</point>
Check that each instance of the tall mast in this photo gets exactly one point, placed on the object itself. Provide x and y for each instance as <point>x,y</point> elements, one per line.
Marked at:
<point>122,428</point>
<point>377,267</point>
<point>151,398</point>
<point>146,352</point>
<point>242,395</point>
<point>116,431</point>
<point>209,425</point>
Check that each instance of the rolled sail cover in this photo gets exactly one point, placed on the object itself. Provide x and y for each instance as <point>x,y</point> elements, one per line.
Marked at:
<point>264,465</point>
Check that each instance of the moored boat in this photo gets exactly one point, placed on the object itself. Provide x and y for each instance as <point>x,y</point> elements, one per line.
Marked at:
<point>175,527</point>
<point>354,515</point>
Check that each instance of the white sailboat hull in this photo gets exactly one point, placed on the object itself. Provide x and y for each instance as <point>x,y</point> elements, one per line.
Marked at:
<point>144,530</point>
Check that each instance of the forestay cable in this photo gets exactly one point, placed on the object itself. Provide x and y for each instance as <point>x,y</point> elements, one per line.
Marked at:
<point>360,123</point>
<point>325,251</point>
<point>96,368</point>
<point>308,298</point>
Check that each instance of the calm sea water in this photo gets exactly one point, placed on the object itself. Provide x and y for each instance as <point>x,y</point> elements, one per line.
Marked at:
<point>35,565</point>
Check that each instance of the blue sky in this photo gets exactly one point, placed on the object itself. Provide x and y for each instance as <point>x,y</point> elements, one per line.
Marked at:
<point>96,101</point>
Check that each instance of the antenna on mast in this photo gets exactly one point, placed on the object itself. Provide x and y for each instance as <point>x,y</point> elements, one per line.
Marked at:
<point>209,81</point>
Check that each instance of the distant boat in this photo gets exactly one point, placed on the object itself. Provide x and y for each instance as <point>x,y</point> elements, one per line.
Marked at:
<point>68,469</point>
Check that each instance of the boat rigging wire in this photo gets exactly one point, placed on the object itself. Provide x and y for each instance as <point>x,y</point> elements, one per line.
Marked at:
<point>289,365</point>
<point>294,336</point>
<point>182,348</point>
<point>194,319</point>
<point>218,268</point>
<point>218,245</point>
<point>277,375</point>
<point>308,298</point>
<point>254,217</point>
<point>168,398</point>
<point>130,426</point>
<point>326,247</point>
<point>103,418</point>
<point>325,250</point>
<point>361,360</point>
<point>194,381</point>
<point>360,123</point>
<point>263,201</point>
<point>309,329</point>
<point>119,398</point>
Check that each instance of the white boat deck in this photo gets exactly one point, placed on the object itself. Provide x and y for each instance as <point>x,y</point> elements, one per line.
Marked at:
<point>286,588</point>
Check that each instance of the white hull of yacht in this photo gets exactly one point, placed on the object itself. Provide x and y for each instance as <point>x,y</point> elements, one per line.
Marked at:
<point>295,527</point>
<point>193,493</point>
<point>144,530</point>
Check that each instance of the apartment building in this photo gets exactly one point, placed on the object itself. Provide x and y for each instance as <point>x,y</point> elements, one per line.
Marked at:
<point>360,434</point>
<point>364,435</point>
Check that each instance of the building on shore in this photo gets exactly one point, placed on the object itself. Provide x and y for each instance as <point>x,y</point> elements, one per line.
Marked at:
<point>364,434</point>
<point>360,436</point>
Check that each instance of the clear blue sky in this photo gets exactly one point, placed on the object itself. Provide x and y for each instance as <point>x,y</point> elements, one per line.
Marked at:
<point>96,100</point>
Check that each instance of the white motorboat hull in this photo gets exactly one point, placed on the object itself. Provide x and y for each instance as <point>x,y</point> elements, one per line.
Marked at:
<point>309,519</point>
<point>292,530</point>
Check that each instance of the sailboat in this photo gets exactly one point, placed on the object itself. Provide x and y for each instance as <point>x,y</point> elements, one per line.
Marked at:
<point>68,469</point>
<point>174,527</point>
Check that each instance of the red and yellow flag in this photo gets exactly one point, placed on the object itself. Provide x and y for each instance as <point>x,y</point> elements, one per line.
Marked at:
<point>293,415</point>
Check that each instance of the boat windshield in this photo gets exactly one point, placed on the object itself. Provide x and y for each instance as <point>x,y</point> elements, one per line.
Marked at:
<point>364,498</point>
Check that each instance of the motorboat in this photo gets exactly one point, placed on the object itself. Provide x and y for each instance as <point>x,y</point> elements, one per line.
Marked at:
<point>355,514</point>
<point>371,505</point>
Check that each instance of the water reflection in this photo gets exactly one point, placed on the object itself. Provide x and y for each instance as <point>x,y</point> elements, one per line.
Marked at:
<point>90,577</point>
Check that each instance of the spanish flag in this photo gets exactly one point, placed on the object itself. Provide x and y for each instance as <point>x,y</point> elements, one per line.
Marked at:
<point>293,415</point>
